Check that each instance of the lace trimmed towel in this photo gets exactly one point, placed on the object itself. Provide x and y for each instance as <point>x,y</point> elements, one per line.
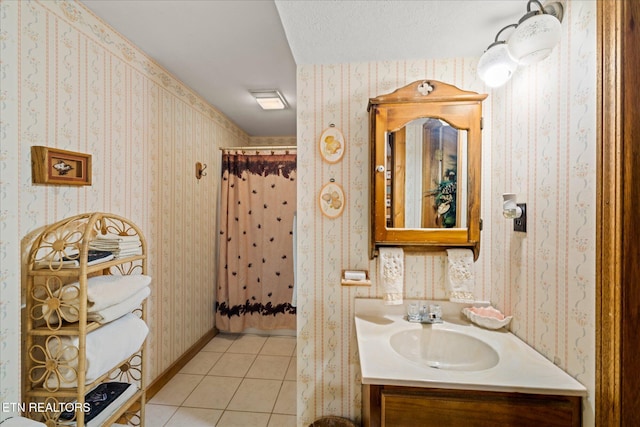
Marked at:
<point>460,278</point>
<point>391,267</point>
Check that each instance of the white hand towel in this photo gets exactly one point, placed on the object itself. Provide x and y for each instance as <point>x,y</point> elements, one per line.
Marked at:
<point>460,277</point>
<point>391,268</point>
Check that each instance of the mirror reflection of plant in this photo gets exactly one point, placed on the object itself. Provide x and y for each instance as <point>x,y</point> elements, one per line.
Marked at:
<point>446,200</point>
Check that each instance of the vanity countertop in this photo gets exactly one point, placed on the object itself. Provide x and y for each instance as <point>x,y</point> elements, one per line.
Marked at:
<point>520,368</point>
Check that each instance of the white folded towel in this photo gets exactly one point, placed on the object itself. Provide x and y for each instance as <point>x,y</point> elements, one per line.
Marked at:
<point>112,244</point>
<point>391,269</point>
<point>123,253</point>
<point>117,237</point>
<point>106,347</point>
<point>460,277</point>
<point>102,292</point>
<point>116,311</point>
<point>121,246</point>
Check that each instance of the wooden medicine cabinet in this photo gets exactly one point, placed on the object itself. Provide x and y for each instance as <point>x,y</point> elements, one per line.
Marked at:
<point>426,149</point>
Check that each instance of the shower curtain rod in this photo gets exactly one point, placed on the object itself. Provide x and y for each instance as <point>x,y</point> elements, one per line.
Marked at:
<point>262,147</point>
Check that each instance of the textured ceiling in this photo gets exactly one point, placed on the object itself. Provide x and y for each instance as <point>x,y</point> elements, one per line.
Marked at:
<point>221,49</point>
<point>359,30</point>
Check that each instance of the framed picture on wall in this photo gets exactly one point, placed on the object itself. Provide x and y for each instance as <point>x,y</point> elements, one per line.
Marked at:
<point>332,200</point>
<point>332,144</point>
<point>59,167</point>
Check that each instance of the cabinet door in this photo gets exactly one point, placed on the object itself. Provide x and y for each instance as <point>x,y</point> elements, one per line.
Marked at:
<point>411,407</point>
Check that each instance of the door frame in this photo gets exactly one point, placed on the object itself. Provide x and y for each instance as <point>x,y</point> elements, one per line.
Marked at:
<point>618,201</point>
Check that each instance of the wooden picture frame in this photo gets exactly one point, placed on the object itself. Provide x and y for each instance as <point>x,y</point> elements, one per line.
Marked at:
<point>59,167</point>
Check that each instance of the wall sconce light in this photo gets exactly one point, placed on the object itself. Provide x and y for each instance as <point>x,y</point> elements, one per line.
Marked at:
<point>536,34</point>
<point>496,65</point>
<point>269,99</point>
<point>534,37</point>
<point>515,211</point>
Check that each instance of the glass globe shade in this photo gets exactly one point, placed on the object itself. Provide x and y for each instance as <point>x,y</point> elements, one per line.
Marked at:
<point>496,66</point>
<point>534,38</point>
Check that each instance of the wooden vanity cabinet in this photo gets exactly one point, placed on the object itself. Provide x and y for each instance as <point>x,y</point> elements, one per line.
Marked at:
<point>394,406</point>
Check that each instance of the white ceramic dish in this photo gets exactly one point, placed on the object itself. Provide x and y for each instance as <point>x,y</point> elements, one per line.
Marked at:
<point>489,322</point>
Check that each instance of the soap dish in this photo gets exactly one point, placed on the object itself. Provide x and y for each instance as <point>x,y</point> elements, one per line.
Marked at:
<point>487,317</point>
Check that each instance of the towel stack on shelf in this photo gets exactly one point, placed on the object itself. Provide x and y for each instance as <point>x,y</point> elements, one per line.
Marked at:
<point>108,298</point>
<point>104,347</point>
<point>120,246</point>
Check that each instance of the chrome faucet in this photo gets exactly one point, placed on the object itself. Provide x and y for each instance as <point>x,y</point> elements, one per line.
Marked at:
<point>429,314</point>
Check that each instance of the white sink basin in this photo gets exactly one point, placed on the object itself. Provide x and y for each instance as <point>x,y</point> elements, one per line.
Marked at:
<point>444,349</point>
<point>451,355</point>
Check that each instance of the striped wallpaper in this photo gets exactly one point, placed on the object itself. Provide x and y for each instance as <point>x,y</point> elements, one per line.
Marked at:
<point>539,142</point>
<point>328,371</point>
<point>69,81</point>
<point>544,127</point>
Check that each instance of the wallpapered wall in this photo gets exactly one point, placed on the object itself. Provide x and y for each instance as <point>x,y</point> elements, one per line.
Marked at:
<point>328,370</point>
<point>539,141</point>
<point>272,140</point>
<point>71,82</point>
<point>544,149</point>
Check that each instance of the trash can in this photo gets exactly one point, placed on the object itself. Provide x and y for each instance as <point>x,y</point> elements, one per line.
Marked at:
<point>332,421</point>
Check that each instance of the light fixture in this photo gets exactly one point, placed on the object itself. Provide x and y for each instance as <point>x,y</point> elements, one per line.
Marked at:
<point>515,211</point>
<point>537,33</point>
<point>269,99</point>
<point>510,208</point>
<point>533,39</point>
<point>496,65</point>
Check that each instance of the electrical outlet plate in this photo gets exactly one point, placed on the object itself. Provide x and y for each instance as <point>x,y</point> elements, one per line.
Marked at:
<point>520,224</point>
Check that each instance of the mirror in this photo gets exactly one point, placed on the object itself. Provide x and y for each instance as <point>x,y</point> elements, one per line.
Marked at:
<point>427,176</point>
<point>426,148</point>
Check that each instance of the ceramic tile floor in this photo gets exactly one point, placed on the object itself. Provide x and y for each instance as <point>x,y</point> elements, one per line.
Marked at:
<point>235,380</point>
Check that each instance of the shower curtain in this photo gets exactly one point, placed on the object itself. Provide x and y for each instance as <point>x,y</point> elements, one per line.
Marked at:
<point>255,268</point>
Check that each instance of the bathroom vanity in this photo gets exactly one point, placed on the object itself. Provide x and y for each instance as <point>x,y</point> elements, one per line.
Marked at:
<point>456,374</point>
<point>398,406</point>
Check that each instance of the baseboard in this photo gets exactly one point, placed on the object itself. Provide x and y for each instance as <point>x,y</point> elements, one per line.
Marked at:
<point>271,332</point>
<point>155,386</point>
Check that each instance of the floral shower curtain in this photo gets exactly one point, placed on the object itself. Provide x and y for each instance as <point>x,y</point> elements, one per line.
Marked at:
<point>255,269</point>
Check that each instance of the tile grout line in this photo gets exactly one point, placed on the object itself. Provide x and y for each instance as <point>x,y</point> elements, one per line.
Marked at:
<point>262,346</point>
